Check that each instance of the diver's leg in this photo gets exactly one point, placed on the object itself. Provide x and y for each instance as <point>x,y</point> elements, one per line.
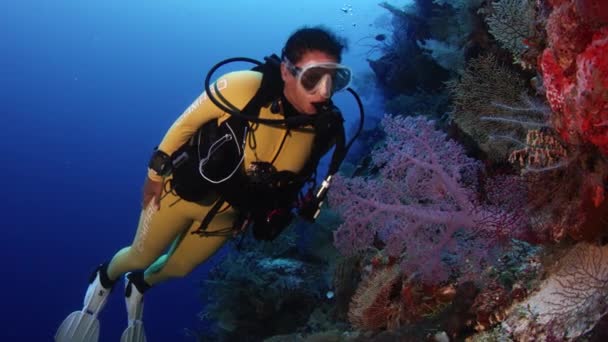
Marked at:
<point>187,251</point>
<point>190,250</point>
<point>135,288</point>
<point>155,232</point>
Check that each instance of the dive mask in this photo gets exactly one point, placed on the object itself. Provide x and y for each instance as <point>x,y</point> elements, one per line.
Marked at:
<point>326,78</point>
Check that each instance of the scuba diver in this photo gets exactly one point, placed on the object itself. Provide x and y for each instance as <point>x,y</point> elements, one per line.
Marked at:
<point>239,158</point>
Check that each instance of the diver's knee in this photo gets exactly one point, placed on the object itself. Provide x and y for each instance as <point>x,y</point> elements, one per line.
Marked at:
<point>138,261</point>
<point>177,269</point>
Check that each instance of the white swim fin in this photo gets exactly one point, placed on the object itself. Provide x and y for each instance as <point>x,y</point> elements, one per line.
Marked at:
<point>79,326</point>
<point>83,326</point>
<point>135,309</point>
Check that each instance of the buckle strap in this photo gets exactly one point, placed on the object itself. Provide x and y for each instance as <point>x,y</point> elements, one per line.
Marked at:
<point>137,279</point>
<point>202,229</point>
<point>104,278</point>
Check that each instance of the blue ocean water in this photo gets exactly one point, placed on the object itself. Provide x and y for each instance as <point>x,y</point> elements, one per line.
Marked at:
<point>87,89</point>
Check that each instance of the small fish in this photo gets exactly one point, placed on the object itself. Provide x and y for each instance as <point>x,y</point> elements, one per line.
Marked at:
<point>380,37</point>
<point>329,294</point>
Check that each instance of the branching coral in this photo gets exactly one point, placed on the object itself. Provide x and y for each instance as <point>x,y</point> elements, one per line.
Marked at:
<point>570,301</point>
<point>488,104</point>
<point>581,282</point>
<point>511,23</point>
<point>423,207</point>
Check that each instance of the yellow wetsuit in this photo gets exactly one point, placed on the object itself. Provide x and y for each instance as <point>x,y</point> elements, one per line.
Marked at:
<point>168,229</point>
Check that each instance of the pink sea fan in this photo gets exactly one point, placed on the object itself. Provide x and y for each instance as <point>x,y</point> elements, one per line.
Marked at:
<point>423,195</point>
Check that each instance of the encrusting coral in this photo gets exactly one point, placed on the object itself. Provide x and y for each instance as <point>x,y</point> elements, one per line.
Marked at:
<point>575,73</point>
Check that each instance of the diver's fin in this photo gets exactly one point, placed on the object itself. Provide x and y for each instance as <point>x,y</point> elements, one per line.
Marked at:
<point>78,326</point>
<point>134,299</point>
<point>134,332</point>
<point>83,326</point>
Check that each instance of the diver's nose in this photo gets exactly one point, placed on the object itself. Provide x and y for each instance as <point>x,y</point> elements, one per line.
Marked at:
<point>325,86</point>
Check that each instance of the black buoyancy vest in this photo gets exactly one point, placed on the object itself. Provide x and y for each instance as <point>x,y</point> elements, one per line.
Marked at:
<point>213,156</point>
<point>212,160</point>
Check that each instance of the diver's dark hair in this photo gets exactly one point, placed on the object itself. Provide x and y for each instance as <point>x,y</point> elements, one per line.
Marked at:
<point>313,38</point>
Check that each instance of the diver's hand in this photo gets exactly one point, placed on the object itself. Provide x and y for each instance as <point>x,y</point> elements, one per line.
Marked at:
<point>152,192</point>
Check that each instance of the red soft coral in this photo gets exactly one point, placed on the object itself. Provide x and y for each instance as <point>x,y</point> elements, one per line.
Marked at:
<point>556,85</point>
<point>575,71</point>
<point>567,34</point>
<point>556,3</point>
<point>592,91</point>
<point>595,12</point>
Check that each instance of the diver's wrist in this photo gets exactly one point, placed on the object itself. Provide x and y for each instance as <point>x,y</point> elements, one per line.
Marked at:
<point>160,163</point>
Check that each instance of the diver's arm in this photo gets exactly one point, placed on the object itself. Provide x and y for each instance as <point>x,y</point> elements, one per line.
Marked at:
<point>152,190</point>
<point>237,87</point>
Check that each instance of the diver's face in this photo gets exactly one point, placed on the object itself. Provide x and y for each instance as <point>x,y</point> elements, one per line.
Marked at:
<point>297,95</point>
